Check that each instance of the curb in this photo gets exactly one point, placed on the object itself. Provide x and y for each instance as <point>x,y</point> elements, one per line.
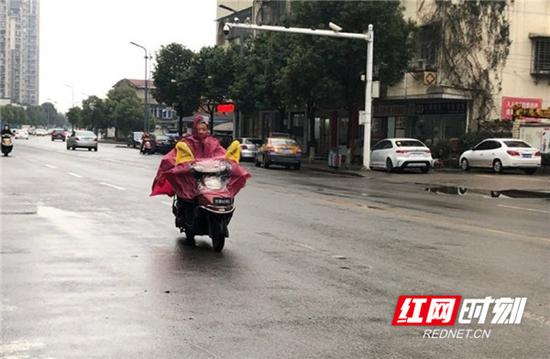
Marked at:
<point>335,171</point>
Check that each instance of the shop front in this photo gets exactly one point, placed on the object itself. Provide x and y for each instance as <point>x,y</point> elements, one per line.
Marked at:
<point>428,121</point>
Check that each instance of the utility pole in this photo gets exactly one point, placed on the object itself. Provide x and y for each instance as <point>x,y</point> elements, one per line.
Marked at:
<point>334,32</point>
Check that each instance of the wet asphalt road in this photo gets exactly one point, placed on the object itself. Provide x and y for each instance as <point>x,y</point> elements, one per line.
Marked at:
<point>92,267</point>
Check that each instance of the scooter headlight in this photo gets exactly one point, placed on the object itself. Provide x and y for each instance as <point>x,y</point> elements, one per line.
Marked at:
<point>212,182</point>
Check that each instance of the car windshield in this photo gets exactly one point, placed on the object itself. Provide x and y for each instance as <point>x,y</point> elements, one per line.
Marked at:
<point>254,141</point>
<point>85,133</point>
<point>409,143</point>
<point>516,144</point>
<point>283,142</point>
<point>161,137</point>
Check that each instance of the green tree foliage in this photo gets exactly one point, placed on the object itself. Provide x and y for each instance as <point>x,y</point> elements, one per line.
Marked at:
<point>94,114</point>
<point>215,69</point>
<point>176,81</point>
<point>124,110</point>
<point>13,115</point>
<point>74,116</point>
<point>345,59</point>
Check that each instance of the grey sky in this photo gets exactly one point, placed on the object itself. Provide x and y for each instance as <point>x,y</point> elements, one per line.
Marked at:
<point>86,43</point>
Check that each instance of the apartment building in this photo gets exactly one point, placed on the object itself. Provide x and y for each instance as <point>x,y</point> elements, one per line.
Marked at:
<point>427,104</point>
<point>19,55</point>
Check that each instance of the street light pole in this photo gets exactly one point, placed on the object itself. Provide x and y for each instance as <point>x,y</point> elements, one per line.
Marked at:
<point>335,32</point>
<point>146,109</point>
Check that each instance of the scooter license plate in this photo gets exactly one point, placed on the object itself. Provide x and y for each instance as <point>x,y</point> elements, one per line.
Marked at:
<point>221,201</point>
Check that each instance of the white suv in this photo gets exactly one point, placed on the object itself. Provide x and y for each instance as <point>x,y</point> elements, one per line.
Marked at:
<point>500,153</point>
<point>400,153</point>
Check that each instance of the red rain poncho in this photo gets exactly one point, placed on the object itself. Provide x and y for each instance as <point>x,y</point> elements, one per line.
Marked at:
<point>177,179</point>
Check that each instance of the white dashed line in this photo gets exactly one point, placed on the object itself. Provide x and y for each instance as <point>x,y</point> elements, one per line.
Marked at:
<point>50,166</point>
<point>75,175</point>
<point>113,186</point>
<point>523,209</point>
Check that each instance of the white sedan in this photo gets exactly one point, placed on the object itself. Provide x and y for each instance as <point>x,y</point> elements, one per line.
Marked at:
<point>21,135</point>
<point>501,153</point>
<point>400,153</point>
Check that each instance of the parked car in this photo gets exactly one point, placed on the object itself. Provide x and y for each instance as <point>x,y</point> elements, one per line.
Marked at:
<point>502,153</point>
<point>58,134</point>
<point>279,151</point>
<point>82,139</point>
<point>40,132</point>
<point>134,139</point>
<point>401,153</point>
<point>163,144</point>
<point>249,147</point>
<point>21,135</point>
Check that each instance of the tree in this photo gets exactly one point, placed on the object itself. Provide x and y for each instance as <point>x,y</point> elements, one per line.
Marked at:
<point>124,109</point>
<point>323,71</point>
<point>13,115</point>
<point>94,114</point>
<point>215,68</point>
<point>176,82</point>
<point>74,116</point>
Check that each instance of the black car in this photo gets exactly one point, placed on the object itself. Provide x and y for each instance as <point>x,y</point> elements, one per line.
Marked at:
<point>163,143</point>
<point>59,134</point>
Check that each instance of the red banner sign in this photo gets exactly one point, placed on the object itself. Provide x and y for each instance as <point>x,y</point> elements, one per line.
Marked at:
<point>225,107</point>
<point>525,102</point>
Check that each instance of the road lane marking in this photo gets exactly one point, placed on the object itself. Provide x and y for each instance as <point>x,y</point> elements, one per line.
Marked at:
<point>523,208</point>
<point>112,186</point>
<point>50,166</point>
<point>74,175</point>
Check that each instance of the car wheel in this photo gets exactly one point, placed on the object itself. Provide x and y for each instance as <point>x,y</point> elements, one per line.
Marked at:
<point>89,149</point>
<point>464,165</point>
<point>95,149</point>
<point>530,171</point>
<point>389,165</point>
<point>497,166</point>
<point>74,148</point>
<point>425,169</point>
<point>297,166</point>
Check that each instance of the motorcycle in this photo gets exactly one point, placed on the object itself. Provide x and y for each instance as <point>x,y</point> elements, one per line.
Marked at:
<point>147,147</point>
<point>7,144</point>
<point>211,211</point>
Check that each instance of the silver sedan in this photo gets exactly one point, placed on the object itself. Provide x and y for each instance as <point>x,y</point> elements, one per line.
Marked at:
<point>82,139</point>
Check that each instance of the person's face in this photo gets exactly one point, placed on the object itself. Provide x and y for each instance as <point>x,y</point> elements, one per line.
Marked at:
<point>5,127</point>
<point>202,130</point>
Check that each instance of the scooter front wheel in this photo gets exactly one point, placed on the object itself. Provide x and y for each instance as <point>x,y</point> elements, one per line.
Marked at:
<point>217,232</point>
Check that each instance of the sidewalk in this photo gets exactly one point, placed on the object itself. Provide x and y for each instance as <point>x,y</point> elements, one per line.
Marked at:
<point>358,171</point>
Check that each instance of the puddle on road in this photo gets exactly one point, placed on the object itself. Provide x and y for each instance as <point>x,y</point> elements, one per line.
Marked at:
<point>511,193</point>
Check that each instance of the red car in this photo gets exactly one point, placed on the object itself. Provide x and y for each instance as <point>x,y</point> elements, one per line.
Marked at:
<point>59,134</point>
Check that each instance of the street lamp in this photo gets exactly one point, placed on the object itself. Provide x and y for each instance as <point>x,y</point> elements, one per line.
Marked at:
<point>146,109</point>
<point>72,94</point>
<point>335,32</point>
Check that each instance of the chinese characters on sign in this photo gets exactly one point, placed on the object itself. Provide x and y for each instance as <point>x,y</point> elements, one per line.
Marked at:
<point>416,310</point>
<point>509,102</point>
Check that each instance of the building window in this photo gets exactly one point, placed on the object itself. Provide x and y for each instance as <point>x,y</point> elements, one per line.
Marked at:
<point>541,55</point>
<point>427,44</point>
